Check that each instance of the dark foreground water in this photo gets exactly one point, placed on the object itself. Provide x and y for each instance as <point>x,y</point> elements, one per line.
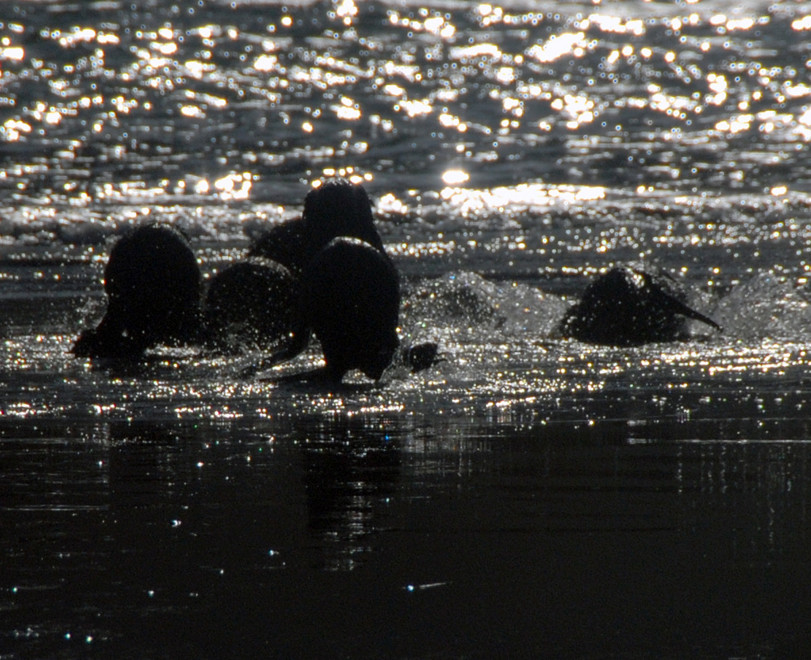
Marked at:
<point>391,535</point>
<point>527,497</point>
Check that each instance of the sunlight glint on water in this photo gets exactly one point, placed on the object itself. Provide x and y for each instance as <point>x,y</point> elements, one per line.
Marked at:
<point>528,494</point>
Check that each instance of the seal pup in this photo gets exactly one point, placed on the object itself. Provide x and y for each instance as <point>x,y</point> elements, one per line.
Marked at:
<point>152,281</point>
<point>626,306</point>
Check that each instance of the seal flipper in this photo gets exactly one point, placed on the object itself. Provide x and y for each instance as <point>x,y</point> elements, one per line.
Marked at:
<point>299,342</point>
<point>673,303</point>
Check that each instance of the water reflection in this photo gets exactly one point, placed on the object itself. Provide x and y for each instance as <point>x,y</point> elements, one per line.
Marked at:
<point>743,483</point>
<point>274,519</point>
<point>350,473</point>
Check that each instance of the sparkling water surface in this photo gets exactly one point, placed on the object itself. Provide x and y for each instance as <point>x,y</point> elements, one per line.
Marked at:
<point>526,497</point>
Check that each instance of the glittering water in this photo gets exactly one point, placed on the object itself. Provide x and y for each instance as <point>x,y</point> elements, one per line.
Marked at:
<point>527,495</point>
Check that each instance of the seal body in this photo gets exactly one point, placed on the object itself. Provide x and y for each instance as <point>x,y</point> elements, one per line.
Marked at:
<point>626,306</point>
<point>350,298</point>
<point>250,303</point>
<point>153,282</point>
<point>285,243</point>
<point>333,210</point>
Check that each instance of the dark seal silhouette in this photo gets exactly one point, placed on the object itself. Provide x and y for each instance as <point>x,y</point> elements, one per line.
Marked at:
<point>350,298</point>
<point>285,243</point>
<point>335,208</point>
<point>338,208</point>
<point>152,281</point>
<point>349,293</point>
<point>626,306</point>
<point>250,304</point>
